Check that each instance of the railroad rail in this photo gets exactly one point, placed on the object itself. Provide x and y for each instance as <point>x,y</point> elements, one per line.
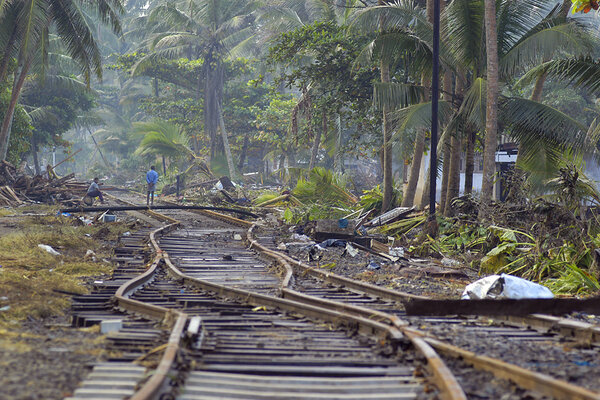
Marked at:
<point>181,263</point>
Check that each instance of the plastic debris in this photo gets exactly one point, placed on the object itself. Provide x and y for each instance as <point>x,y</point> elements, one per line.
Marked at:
<point>505,287</point>
<point>49,249</point>
<point>351,251</point>
<point>281,246</point>
<point>90,255</point>
<point>332,243</point>
<point>5,308</point>
<point>300,238</point>
<point>126,233</point>
<point>448,262</point>
<point>237,236</point>
<point>343,223</point>
<point>373,266</point>
<point>397,251</point>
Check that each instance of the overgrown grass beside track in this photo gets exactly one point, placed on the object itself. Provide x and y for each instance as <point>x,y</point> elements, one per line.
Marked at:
<point>31,278</point>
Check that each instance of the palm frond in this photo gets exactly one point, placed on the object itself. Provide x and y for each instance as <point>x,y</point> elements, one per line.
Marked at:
<point>543,132</point>
<point>396,95</point>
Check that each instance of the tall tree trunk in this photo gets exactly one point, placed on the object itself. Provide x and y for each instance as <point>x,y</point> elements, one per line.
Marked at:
<point>338,161</point>
<point>415,167</point>
<point>10,111</point>
<point>447,85</point>
<point>413,179</point>
<point>244,151</point>
<point>213,81</point>
<point>317,142</point>
<point>454,167</point>
<point>230,166</point>
<point>155,82</point>
<point>454,175</point>
<point>164,164</point>
<point>470,161</point>
<point>491,112</point>
<point>34,153</point>
<point>445,171</point>
<point>388,181</point>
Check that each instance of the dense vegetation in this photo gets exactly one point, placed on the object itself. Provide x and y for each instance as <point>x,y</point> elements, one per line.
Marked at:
<point>331,98</point>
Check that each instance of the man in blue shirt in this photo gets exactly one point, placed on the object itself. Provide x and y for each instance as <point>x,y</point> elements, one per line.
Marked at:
<point>151,179</point>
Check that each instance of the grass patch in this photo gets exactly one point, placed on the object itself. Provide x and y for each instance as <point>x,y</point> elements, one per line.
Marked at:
<point>30,277</point>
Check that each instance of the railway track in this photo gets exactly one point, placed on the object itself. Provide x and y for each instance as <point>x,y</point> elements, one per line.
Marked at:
<point>251,330</point>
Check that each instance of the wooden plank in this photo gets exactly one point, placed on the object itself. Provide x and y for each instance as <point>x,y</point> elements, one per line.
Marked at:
<point>502,307</point>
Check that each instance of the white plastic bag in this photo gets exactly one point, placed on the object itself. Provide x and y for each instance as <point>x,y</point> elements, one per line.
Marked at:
<point>49,249</point>
<point>505,287</point>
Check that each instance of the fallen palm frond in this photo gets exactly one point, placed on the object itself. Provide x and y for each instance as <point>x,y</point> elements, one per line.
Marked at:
<point>324,186</point>
<point>404,226</point>
<point>278,199</point>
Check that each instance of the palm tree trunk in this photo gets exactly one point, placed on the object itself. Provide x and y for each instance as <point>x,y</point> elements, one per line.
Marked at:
<point>338,161</point>
<point>415,167</point>
<point>470,162</point>
<point>230,166</point>
<point>164,163</point>
<point>445,171</point>
<point>10,111</point>
<point>447,94</point>
<point>34,153</point>
<point>244,151</point>
<point>388,181</point>
<point>210,104</point>
<point>317,143</point>
<point>454,174</point>
<point>491,112</point>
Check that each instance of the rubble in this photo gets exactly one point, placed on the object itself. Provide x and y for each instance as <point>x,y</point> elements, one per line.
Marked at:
<point>16,187</point>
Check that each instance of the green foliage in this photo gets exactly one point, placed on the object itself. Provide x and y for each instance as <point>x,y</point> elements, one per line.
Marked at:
<point>162,138</point>
<point>372,199</point>
<point>22,128</point>
<point>325,187</point>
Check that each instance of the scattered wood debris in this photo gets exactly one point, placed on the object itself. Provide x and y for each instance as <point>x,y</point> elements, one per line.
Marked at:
<point>16,187</point>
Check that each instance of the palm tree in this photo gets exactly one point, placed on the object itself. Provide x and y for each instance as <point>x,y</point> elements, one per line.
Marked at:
<point>207,30</point>
<point>491,113</point>
<point>524,37</point>
<point>32,21</point>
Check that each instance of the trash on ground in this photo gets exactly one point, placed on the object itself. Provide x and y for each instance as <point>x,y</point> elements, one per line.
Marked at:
<point>396,251</point>
<point>390,216</point>
<point>109,218</point>
<point>237,236</point>
<point>333,228</point>
<point>332,243</point>
<point>373,265</point>
<point>301,238</point>
<point>5,308</point>
<point>448,262</point>
<point>90,255</point>
<point>281,246</point>
<point>126,233</point>
<point>351,251</point>
<point>49,249</point>
<point>505,287</point>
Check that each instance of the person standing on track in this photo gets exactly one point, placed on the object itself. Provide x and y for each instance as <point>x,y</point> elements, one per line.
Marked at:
<point>151,179</point>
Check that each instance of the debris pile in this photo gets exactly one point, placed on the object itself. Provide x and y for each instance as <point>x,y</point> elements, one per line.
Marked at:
<point>16,187</point>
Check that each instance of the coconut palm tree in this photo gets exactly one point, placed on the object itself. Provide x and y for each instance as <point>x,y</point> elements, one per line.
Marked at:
<point>32,21</point>
<point>524,37</point>
<point>207,30</point>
